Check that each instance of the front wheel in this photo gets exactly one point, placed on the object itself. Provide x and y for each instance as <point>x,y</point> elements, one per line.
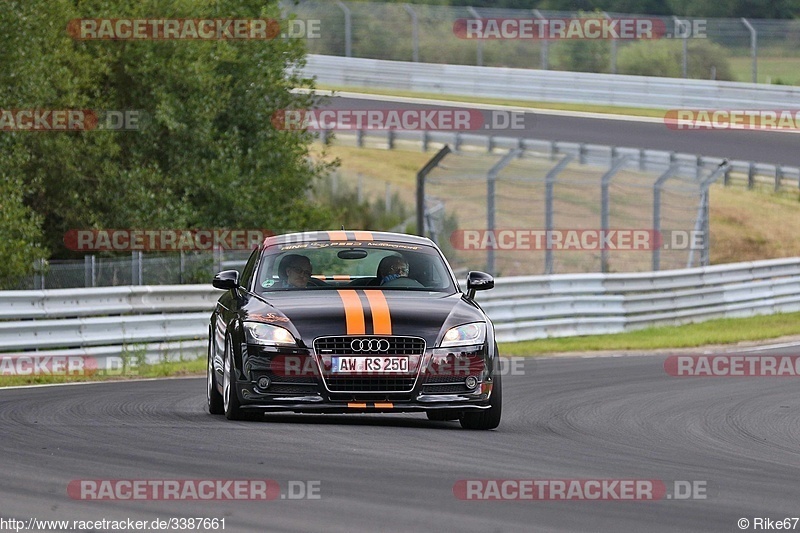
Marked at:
<point>488,418</point>
<point>215,402</point>
<point>230,399</point>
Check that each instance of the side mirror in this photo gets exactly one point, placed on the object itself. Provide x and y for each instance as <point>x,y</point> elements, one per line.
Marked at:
<point>478,281</point>
<point>226,280</point>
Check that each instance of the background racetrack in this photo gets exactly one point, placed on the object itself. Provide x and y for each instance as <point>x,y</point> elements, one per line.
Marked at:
<point>774,147</point>
<point>566,418</point>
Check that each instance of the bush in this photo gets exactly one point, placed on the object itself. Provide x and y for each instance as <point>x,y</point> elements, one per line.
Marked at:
<point>664,58</point>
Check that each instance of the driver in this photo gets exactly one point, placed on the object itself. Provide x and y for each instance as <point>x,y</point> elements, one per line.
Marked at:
<point>295,271</point>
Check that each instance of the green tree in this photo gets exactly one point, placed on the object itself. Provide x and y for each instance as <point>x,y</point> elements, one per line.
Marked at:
<point>207,153</point>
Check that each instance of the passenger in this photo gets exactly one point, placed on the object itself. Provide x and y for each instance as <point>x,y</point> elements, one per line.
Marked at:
<point>393,272</point>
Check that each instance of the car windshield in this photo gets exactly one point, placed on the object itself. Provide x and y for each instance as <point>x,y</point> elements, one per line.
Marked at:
<point>321,265</point>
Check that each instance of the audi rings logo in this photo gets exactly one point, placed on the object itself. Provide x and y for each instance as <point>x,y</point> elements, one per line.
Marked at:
<point>369,345</point>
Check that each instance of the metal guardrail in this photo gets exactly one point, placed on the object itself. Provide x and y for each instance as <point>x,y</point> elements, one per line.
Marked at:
<point>548,85</point>
<point>110,324</point>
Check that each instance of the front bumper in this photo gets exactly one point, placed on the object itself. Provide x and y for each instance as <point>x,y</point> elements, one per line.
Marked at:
<point>311,394</point>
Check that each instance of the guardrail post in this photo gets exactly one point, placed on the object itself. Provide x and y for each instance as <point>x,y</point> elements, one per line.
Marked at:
<point>642,159</point>
<point>751,175</point>
<point>421,175</point>
<point>414,32</point>
<point>671,171</point>
<point>489,144</point>
<point>778,177</point>
<point>491,179</point>
<point>726,180</point>
<point>390,139</point>
<point>582,153</point>
<point>753,48</point>
<point>425,140</point>
<point>549,186</point>
<point>348,28</point>
<point>605,181</point>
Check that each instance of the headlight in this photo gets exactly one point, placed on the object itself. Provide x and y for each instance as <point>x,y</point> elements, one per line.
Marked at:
<point>259,333</point>
<point>474,333</point>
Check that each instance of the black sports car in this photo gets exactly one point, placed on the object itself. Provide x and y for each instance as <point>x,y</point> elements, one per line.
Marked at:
<point>352,321</point>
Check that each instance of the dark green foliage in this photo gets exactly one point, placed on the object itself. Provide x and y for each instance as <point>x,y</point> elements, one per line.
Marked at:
<point>206,156</point>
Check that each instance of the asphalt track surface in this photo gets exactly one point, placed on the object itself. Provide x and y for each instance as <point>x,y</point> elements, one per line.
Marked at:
<point>566,418</point>
<point>761,146</point>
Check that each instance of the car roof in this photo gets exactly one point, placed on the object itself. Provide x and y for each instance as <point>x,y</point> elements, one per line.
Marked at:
<point>347,235</point>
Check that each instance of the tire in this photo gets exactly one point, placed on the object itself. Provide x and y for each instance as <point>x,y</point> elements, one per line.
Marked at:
<point>230,399</point>
<point>442,415</point>
<point>488,418</point>
<point>215,403</point>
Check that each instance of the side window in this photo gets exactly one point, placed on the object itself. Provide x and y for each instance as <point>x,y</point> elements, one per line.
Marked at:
<point>249,268</point>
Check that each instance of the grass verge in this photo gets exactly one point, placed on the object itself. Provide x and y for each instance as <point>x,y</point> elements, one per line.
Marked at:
<point>159,370</point>
<point>532,104</point>
<point>712,332</point>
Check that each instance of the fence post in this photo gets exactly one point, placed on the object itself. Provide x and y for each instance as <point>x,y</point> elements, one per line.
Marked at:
<point>87,271</point>
<point>549,185</point>
<point>491,179</point>
<point>702,219</point>
<point>671,171</point>
<point>753,48</point>
<point>479,42</point>
<point>545,44</point>
<point>613,49</point>
<point>414,32</point>
<point>421,175</point>
<point>684,35</point>
<point>605,181</point>
<point>348,29</point>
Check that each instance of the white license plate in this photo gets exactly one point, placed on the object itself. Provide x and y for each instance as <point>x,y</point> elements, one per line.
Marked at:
<point>378,364</point>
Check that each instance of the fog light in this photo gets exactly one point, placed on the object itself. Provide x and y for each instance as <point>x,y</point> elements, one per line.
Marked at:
<point>263,382</point>
<point>471,382</point>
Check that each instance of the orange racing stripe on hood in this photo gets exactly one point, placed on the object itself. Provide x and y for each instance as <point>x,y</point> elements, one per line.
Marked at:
<point>381,318</point>
<point>353,312</point>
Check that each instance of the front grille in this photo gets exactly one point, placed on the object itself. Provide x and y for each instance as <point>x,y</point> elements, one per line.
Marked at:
<point>342,345</point>
<point>443,379</point>
<point>371,384</point>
